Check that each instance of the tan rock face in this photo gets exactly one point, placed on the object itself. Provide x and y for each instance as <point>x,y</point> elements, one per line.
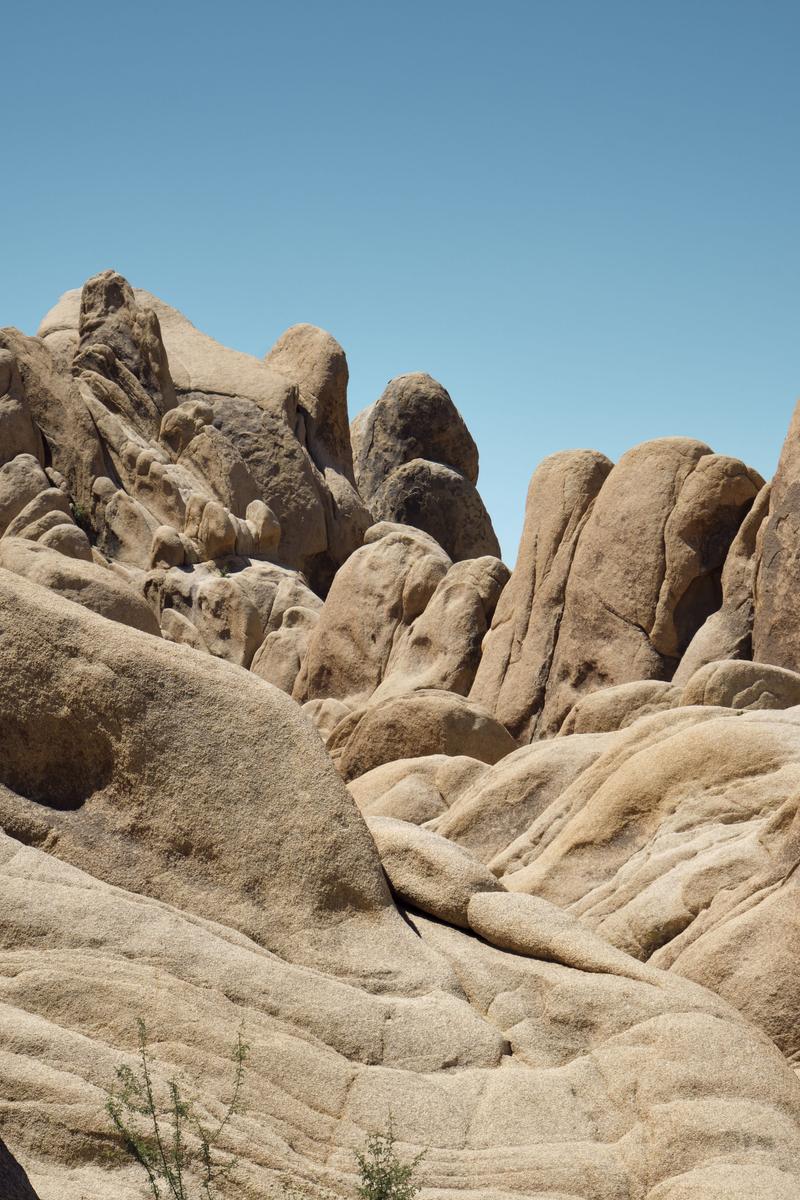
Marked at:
<point>138,356</point>
<point>195,784</point>
<point>387,582</point>
<point>414,418</point>
<point>281,653</point>
<point>97,588</point>
<point>102,752</point>
<point>416,463</point>
<point>420,723</point>
<point>416,789</point>
<point>646,571</point>
<point>617,707</point>
<point>495,1099</point>
<point>429,872</point>
<point>233,608</point>
<point>54,403</point>
<point>441,648</point>
<point>518,652</point>
<point>643,576</point>
<point>776,634</point>
<point>18,431</point>
<point>400,617</point>
<point>315,363</point>
<point>532,927</point>
<point>439,500</point>
<point>728,632</point>
<point>265,763</point>
<point>743,685</point>
<point>684,829</point>
<point>35,501</point>
<point>508,799</point>
<point>121,355</point>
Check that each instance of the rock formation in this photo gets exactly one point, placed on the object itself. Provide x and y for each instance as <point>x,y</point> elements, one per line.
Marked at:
<point>518,654</point>
<point>415,462</point>
<point>775,633</point>
<point>510,858</point>
<point>618,570</point>
<point>247,429</point>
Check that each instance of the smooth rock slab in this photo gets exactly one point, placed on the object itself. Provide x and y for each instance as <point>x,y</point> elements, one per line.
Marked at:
<point>616,707</point>
<point>743,685</point>
<point>422,723</point>
<point>518,1086</point>
<point>429,872</point>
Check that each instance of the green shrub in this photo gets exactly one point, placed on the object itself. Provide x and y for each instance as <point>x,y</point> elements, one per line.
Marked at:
<point>166,1138</point>
<point>81,517</point>
<point>384,1176</point>
<point>169,1142</point>
<point>382,1173</point>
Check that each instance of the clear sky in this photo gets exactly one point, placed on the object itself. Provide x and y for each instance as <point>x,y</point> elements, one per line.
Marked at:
<point>582,216</point>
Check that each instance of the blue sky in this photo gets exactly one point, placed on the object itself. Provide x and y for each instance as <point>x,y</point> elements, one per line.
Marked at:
<point>582,217</point>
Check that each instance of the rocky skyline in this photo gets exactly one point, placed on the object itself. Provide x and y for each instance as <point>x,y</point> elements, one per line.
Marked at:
<point>510,856</point>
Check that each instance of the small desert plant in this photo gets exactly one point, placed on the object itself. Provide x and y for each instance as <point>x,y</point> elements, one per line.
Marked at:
<point>155,1133</point>
<point>383,1174</point>
<point>80,516</point>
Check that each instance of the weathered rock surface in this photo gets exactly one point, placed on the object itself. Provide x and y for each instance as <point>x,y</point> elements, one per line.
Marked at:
<point>316,364</point>
<point>569,969</point>
<point>254,425</point>
<point>776,631</point>
<point>518,652</point>
<point>420,723</point>
<point>164,770</point>
<point>509,798</point>
<point>416,789</point>
<point>728,632</point>
<point>439,500</point>
<point>400,617</point>
<point>280,655</point>
<point>120,357</point>
<point>500,1101</point>
<point>388,581</point>
<point>429,872</point>
<point>97,588</point>
<point>232,610</point>
<point>616,707</point>
<point>685,829</point>
<point>535,928</point>
<point>414,418</point>
<point>325,715</point>
<point>638,579</point>
<point>744,685</point>
<point>54,404</point>
<point>416,463</point>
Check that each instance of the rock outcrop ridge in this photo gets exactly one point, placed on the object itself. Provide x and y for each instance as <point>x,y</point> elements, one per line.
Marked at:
<point>511,857</point>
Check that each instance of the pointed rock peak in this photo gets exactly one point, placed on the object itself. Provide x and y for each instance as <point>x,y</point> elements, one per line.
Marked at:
<point>414,418</point>
<point>312,360</point>
<point>101,296</point>
<point>119,338</point>
<point>415,462</point>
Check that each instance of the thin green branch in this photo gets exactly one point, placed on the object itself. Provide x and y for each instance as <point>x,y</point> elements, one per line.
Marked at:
<point>164,1154</point>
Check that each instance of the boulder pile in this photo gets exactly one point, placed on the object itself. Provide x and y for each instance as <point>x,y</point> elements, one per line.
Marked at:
<point>509,858</point>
